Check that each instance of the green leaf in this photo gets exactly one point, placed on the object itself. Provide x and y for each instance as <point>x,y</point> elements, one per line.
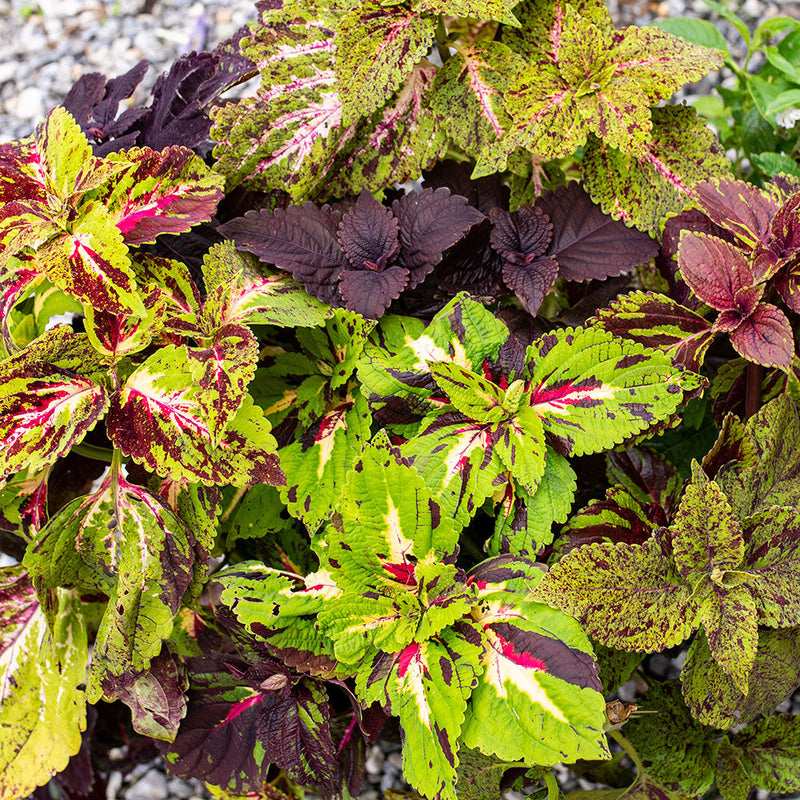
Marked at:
<point>775,164</point>
<point>674,748</point>
<point>128,544</point>
<point>479,775</point>
<point>712,695</point>
<point>538,699</point>
<point>42,672</point>
<point>696,31</point>
<point>645,191</point>
<point>472,395</point>
<point>592,390</point>
<point>376,48</point>
<point>626,596</point>
<point>498,10</point>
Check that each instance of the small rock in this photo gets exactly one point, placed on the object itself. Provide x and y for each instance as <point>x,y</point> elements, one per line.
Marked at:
<point>182,790</point>
<point>30,104</point>
<point>113,784</point>
<point>369,794</point>
<point>151,786</point>
<point>374,762</point>
<point>395,760</point>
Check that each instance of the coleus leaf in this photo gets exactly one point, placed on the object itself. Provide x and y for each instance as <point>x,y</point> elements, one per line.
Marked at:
<point>160,418</point>
<point>539,697</point>
<point>592,390</point>
<point>645,191</point>
<point>427,685</point>
<point>162,192</point>
<point>45,410</point>
<point>376,47</point>
<point>647,476</point>
<point>660,323</point>
<point>42,673</point>
<point>764,754</point>
<point>127,543</point>
<point>765,337</point>
<point>712,696</point>
<point>467,93</point>
<point>499,10</point>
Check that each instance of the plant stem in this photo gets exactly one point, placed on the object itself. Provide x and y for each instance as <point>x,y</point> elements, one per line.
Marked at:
<point>441,40</point>
<point>552,785</point>
<point>95,452</point>
<point>628,748</point>
<point>752,392</point>
<point>234,502</point>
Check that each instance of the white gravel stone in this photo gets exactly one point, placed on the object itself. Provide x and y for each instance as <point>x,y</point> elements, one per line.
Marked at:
<point>151,786</point>
<point>179,789</point>
<point>113,785</point>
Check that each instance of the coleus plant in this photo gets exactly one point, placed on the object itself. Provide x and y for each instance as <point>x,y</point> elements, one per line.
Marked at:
<point>326,472</point>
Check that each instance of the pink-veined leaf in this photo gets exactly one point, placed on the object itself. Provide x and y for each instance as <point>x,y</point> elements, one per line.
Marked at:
<point>765,337</point>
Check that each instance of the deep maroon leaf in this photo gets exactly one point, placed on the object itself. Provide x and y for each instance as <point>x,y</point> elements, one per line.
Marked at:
<point>520,236</point>
<point>765,337</point>
<point>370,293</point>
<point>647,472</point>
<point>368,234</point>
<point>714,269</point>
<point>300,239</point>
<point>483,193</point>
<point>430,222</point>
<point>743,209</point>
<point>781,250</point>
<point>588,243</point>
<point>531,282</point>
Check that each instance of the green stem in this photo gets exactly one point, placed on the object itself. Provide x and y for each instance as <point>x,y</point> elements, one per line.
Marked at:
<point>628,748</point>
<point>95,452</point>
<point>441,40</point>
<point>234,502</point>
<point>552,785</point>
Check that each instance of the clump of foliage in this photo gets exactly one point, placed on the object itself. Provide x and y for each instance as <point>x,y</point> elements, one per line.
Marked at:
<point>457,378</point>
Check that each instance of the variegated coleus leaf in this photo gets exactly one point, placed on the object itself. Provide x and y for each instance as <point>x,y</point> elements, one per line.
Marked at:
<point>584,78</point>
<point>166,192</point>
<point>427,685</point>
<point>539,696</point>
<point>467,94</point>
<point>42,675</point>
<point>47,408</point>
<point>592,390</point>
<point>644,190</point>
<point>498,10</point>
<point>258,715</point>
<point>658,322</point>
<point>376,48</point>
<point>127,543</point>
<point>161,418</point>
<point>317,462</point>
<point>524,522</point>
<point>240,292</point>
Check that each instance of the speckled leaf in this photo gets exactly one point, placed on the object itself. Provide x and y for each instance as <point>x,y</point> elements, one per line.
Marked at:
<point>765,337</point>
<point>711,694</point>
<point>316,464</point>
<point>160,419</point>
<point>648,476</point>
<point>538,699</point>
<point>17,279</point>
<point>479,775</point>
<point>592,390</point>
<point>768,756</point>
<point>166,192</point>
<point>498,10</point>
<point>91,263</point>
<point>626,596</point>
<point>658,322</point>
<point>467,94</point>
<point>427,686</point>
<point>42,672</point>
<point>241,292</point>
<point>674,747</point>
<point>645,191</point>
<point>523,523</point>
<point>376,48</point>
<point>44,412</point>
<point>127,543</point>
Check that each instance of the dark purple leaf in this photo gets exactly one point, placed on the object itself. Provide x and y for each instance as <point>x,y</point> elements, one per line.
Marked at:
<point>588,243</point>
<point>370,293</point>
<point>520,236</point>
<point>765,337</point>
<point>531,282</point>
<point>788,287</point>
<point>430,222</point>
<point>368,234</point>
<point>300,239</point>
<point>483,193</point>
<point>648,474</point>
<point>781,250</point>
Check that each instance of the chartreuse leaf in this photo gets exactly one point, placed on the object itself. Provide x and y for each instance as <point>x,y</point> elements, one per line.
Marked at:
<point>538,698</point>
<point>240,292</point>
<point>626,596</point>
<point>472,395</point>
<point>765,754</point>
<point>316,463</point>
<point>161,418</point>
<point>674,748</point>
<point>42,672</point>
<point>712,696</point>
<point>592,391</point>
<point>127,543</point>
<point>427,685</point>
<point>376,48</point>
<point>499,10</point>
<point>645,191</point>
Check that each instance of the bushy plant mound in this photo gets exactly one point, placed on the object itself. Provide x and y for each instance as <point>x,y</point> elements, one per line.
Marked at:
<point>457,378</point>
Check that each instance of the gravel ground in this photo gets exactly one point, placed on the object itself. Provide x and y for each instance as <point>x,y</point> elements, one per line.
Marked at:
<point>48,44</point>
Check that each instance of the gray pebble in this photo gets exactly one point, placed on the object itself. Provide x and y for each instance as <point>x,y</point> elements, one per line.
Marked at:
<point>180,789</point>
<point>375,760</point>
<point>113,785</point>
<point>151,786</point>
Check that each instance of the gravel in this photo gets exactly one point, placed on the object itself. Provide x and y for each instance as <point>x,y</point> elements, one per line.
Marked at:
<point>49,44</point>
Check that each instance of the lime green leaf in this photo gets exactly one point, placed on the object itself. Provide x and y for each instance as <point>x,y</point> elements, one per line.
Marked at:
<point>690,29</point>
<point>498,10</point>
<point>42,672</point>
<point>472,395</point>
